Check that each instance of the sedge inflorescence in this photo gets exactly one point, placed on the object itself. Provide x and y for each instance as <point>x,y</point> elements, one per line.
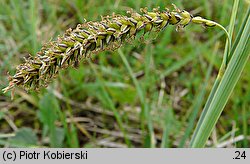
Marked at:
<point>91,37</point>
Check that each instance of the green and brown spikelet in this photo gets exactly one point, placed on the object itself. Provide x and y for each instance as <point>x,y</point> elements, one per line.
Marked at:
<point>91,37</point>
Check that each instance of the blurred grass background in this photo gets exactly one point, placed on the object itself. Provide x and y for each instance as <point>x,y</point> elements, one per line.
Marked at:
<point>146,94</point>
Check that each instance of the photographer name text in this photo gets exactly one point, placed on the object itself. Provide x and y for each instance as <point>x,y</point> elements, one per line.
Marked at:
<point>45,155</point>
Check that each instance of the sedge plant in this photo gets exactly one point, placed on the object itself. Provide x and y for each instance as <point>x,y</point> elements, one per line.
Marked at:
<point>234,61</point>
<point>111,32</point>
<point>92,37</point>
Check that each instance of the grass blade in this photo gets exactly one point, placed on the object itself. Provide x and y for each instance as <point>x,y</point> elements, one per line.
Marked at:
<point>230,30</point>
<point>225,88</point>
<point>198,102</point>
<point>111,104</point>
<point>226,58</point>
<point>145,112</point>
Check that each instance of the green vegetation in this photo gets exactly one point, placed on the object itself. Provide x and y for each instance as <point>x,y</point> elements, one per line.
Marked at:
<point>149,93</point>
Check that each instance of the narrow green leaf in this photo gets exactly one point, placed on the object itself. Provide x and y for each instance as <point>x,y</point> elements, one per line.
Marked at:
<point>231,29</point>
<point>225,88</point>
<point>111,104</point>
<point>145,113</point>
<point>198,101</point>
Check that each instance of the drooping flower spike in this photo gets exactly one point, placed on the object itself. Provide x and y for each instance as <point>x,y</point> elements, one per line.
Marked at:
<point>92,37</point>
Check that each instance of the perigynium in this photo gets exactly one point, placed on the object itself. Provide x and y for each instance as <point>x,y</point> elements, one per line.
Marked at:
<point>92,37</point>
